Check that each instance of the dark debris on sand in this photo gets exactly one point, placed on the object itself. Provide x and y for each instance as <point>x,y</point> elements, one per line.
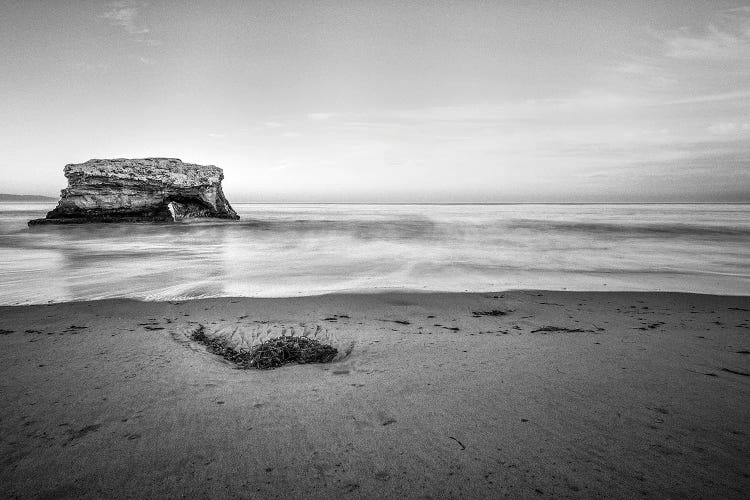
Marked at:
<point>549,329</point>
<point>272,353</point>
<point>494,312</point>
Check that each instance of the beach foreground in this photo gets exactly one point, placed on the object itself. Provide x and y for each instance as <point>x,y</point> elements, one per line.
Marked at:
<point>566,394</point>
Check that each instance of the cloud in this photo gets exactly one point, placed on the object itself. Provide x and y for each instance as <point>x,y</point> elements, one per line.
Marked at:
<point>635,68</point>
<point>320,116</point>
<point>214,135</point>
<point>124,14</point>
<point>89,67</point>
<point>510,112</point>
<point>737,95</point>
<point>727,38</point>
<point>291,134</point>
<point>581,133</point>
<point>706,64</point>
<point>280,165</point>
<point>273,124</point>
<point>727,128</point>
<point>645,70</point>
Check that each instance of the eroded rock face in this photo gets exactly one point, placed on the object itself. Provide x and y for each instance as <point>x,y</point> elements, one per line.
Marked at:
<point>143,190</point>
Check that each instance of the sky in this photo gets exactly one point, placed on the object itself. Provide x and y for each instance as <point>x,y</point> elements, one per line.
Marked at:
<point>387,101</point>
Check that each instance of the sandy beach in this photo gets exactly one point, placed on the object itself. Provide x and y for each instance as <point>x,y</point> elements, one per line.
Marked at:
<point>567,394</point>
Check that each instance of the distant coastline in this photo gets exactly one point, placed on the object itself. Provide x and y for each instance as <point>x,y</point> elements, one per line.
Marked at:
<point>25,197</point>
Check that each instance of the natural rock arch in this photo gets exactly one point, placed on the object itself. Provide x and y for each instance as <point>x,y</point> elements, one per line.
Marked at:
<point>140,190</point>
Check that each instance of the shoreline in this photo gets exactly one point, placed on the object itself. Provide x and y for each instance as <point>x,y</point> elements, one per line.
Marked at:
<point>376,292</point>
<point>563,394</point>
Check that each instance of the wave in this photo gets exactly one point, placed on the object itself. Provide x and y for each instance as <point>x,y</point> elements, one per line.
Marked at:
<point>631,229</point>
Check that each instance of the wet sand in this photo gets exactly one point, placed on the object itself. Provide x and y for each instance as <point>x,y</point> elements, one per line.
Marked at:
<point>566,394</point>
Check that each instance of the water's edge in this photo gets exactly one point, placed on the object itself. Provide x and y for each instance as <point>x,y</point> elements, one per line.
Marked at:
<point>295,250</point>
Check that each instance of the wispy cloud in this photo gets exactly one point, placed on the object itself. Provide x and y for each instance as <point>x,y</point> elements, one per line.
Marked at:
<point>320,116</point>
<point>646,71</point>
<point>738,95</point>
<point>727,128</point>
<point>127,15</point>
<point>588,133</point>
<point>89,67</point>
<point>124,14</point>
<point>726,38</point>
<point>510,112</point>
<point>280,165</point>
<point>706,64</point>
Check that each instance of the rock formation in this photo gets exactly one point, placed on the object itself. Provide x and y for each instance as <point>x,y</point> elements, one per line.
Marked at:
<point>144,190</point>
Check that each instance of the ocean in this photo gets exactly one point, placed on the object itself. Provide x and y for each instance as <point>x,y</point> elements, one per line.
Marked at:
<point>278,250</point>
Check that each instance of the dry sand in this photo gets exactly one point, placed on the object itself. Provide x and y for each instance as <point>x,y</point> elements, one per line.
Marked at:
<point>650,399</point>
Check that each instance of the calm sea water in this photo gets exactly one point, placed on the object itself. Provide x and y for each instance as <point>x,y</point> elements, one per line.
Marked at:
<point>287,250</point>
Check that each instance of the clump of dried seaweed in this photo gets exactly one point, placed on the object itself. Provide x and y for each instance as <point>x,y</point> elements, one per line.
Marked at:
<point>281,350</point>
<point>272,353</point>
<point>217,345</point>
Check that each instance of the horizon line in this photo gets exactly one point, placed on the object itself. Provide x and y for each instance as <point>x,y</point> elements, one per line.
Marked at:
<point>745,202</point>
